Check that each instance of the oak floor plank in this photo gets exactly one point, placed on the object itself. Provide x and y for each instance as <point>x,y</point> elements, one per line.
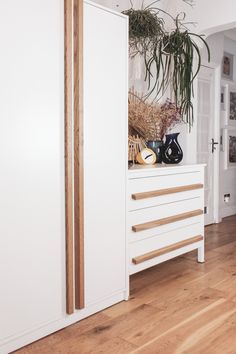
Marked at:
<point>101,335</point>
<point>213,260</point>
<point>224,249</point>
<point>221,340</point>
<point>164,272</point>
<point>186,335</point>
<point>210,279</point>
<point>150,293</point>
<point>228,288</point>
<point>114,346</point>
<point>171,313</point>
<point>60,338</point>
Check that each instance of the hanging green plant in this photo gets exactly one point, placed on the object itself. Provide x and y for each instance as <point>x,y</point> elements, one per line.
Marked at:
<point>145,28</point>
<point>170,58</point>
<point>183,60</point>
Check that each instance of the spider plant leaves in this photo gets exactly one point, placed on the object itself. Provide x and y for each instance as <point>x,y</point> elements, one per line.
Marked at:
<point>170,58</point>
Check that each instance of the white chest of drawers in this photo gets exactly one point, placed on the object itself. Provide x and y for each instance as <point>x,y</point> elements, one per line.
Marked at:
<point>165,214</point>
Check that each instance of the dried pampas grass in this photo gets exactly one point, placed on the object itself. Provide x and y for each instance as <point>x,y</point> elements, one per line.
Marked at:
<point>152,121</point>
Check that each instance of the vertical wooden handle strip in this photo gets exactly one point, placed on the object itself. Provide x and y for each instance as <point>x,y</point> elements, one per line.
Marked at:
<point>78,155</point>
<point>68,157</point>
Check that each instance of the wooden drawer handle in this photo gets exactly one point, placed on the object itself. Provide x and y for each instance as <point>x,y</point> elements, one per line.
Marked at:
<point>168,220</point>
<point>164,250</point>
<point>158,193</point>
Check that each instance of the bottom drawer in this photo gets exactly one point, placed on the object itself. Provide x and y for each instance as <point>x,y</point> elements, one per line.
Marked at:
<point>140,251</point>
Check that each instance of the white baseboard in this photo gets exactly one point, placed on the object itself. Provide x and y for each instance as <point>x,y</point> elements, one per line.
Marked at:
<point>228,211</point>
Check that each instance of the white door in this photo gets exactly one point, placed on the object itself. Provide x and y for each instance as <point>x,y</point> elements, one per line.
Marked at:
<point>32,203</point>
<point>205,136</point>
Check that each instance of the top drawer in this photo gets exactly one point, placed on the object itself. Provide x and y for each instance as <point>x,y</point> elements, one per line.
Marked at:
<point>153,190</point>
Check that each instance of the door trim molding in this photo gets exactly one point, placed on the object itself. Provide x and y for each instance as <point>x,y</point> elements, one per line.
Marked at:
<point>216,72</point>
<point>217,130</point>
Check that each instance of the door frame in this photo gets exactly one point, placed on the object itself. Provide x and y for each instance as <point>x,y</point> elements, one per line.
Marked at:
<point>216,189</point>
<point>216,131</point>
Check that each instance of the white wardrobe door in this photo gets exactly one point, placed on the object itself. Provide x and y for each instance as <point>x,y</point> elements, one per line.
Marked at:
<point>32,165</point>
<point>105,154</point>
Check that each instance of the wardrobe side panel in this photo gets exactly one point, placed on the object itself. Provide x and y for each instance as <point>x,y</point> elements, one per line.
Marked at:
<point>105,151</point>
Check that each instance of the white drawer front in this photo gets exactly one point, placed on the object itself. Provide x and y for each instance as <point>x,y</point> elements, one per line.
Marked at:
<point>143,216</point>
<point>158,183</point>
<point>165,239</point>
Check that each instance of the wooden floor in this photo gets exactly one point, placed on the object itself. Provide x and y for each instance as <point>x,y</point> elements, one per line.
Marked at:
<point>177,307</point>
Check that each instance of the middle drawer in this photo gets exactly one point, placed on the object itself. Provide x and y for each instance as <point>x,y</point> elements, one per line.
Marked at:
<point>146,222</point>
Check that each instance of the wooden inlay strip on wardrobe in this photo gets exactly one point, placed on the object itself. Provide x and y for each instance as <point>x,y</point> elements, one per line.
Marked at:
<point>160,192</point>
<point>164,250</point>
<point>78,155</point>
<point>168,220</point>
<point>69,157</point>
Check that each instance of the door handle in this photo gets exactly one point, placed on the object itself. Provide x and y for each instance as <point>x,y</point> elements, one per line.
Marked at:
<point>213,143</point>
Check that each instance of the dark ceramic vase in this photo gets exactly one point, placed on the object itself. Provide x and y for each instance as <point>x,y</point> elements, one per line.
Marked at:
<point>156,146</point>
<point>172,152</point>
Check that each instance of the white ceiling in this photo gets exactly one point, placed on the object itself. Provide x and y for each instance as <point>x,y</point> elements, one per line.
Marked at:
<point>231,34</point>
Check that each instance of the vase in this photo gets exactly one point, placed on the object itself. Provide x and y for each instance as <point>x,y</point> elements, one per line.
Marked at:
<point>172,152</point>
<point>156,146</point>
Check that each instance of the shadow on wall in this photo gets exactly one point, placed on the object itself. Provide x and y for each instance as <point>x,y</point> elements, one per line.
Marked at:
<point>120,5</point>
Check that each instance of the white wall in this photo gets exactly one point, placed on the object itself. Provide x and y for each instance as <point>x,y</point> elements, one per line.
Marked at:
<point>120,5</point>
<point>216,45</point>
<point>210,16</point>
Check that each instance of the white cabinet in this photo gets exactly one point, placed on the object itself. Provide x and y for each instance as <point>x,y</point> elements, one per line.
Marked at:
<point>165,214</point>
<point>32,197</point>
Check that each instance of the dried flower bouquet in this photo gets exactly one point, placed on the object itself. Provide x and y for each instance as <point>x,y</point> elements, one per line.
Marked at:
<point>152,120</point>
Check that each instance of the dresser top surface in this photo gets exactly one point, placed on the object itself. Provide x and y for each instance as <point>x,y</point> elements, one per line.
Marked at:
<point>137,167</point>
<point>162,169</point>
